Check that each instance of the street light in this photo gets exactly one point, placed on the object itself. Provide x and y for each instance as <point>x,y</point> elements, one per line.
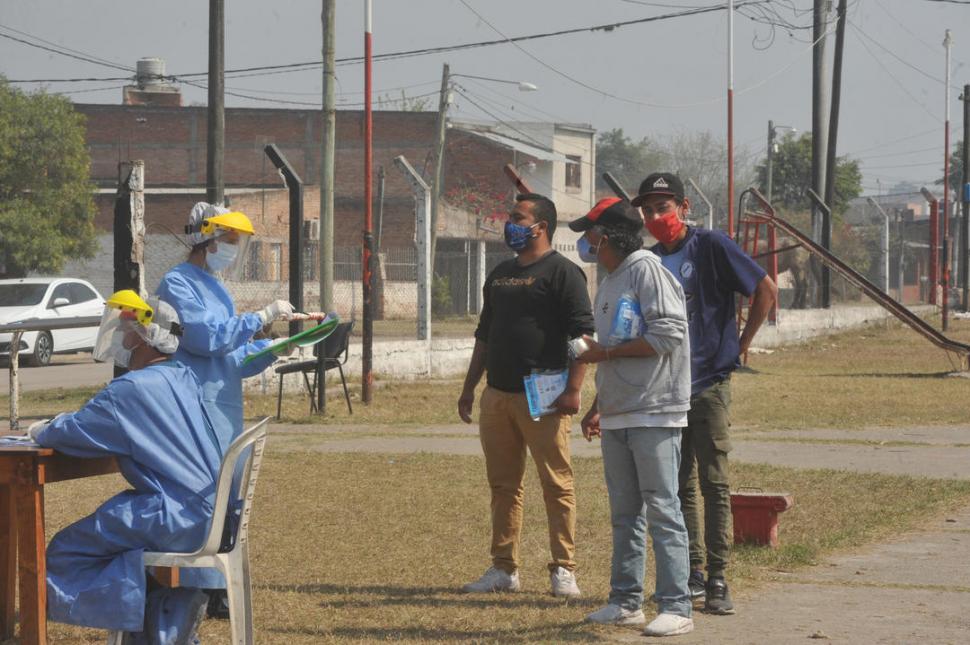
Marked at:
<point>772,129</point>
<point>524,86</point>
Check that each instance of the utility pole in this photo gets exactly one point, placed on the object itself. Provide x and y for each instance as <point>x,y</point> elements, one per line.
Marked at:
<point>367,350</point>
<point>830,158</point>
<point>328,140</point>
<point>444,100</point>
<point>947,45</point>
<point>328,18</point>
<point>965,192</point>
<point>819,112</point>
<point>216,122</point>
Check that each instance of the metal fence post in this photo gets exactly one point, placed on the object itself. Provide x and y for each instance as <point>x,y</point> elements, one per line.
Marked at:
<point>422,238</point>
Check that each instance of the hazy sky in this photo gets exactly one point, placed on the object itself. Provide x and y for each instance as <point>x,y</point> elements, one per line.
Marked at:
<point>671,73</point>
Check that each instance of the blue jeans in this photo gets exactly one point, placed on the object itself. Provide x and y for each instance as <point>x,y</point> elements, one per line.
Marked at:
<point>641,467</point>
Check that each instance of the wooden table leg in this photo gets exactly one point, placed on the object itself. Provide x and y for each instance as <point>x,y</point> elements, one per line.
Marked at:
<point>166,576</point>
<point>33,565</point>
<point>8,563</point>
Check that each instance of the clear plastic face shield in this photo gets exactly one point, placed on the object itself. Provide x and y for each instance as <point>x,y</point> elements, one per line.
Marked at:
<point>227,252</point>
<point>129,322</point>
<point>121,331</point>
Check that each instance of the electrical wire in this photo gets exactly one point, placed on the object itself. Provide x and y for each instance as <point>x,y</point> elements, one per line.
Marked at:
<point>90,57</point>
<point>899,83</point>
<point>905,62</point>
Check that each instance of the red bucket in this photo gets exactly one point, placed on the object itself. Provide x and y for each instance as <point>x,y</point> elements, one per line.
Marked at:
<point>755,514</point>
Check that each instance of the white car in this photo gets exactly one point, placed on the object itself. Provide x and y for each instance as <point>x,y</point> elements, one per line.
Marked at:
<point>61,298</point>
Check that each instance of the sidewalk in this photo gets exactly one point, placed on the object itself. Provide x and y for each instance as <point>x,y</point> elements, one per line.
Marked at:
<point>915,588</point>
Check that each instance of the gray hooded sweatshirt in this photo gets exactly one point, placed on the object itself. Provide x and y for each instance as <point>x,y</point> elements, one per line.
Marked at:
<point>651,384</point>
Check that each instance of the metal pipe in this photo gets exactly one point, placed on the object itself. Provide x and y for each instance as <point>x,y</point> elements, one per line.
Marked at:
<point>710,206</point>
<point>884,246</point>
<point>295,186</point>
<point>947,44</point>
<point>934,242</point>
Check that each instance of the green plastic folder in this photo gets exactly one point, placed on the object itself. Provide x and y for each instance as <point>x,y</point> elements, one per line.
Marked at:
<point>305,338</point>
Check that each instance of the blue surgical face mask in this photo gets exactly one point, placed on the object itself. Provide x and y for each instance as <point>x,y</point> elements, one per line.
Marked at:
<point>222,258</point>
<point>517,236</point>
<point>586,251</point>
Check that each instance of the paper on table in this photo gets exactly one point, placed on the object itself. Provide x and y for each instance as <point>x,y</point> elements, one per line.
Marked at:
<point>19,440</point>
<point>541,391</point>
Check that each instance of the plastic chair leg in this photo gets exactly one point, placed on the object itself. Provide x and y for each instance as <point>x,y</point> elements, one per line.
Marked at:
<point>238,589</point>
<point>115,638</point>
<point>350,409</point>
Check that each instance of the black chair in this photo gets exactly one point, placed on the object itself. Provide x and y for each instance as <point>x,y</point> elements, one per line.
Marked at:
<point>336,350</point>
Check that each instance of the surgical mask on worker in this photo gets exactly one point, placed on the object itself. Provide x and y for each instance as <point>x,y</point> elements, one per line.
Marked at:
<point>665,228</point>
<point>586,251</point>
<point>518,236</point>
<point>222,258</point>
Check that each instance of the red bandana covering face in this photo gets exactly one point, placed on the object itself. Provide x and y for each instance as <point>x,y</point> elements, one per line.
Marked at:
<point>666,228</point>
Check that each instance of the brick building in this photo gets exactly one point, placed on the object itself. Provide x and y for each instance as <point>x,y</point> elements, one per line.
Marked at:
<point>557,159</point>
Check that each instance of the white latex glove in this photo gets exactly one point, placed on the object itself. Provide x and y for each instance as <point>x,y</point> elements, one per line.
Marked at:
<point>275,310</point>
<point>284,351</point>
<point>35,428</point>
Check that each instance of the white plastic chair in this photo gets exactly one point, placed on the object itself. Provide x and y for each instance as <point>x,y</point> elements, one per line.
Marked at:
<point>234,564</point>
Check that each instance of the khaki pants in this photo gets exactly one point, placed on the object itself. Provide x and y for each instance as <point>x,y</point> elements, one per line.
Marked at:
<point>506,429</point>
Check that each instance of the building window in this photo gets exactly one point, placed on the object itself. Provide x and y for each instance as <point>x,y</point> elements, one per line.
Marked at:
<point>573,174</point>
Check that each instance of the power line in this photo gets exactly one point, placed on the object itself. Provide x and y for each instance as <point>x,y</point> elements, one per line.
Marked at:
<point>897,81</point>
<point>64,53</point>
<point>905,62</point>
<point>67,49</point>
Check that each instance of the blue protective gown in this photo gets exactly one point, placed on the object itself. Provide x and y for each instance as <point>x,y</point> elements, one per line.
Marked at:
<point>153,421</point>
<point>214,343</point>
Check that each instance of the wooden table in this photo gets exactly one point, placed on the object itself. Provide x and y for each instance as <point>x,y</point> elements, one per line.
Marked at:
<point>24,471</point>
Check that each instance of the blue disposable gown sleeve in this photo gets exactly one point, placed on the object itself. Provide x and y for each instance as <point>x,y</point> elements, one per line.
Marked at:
<point>204,333</point>
<point>257,365</point>
<point>92,431</point>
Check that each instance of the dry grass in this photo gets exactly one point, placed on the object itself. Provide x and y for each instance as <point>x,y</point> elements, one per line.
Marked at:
<point>363,548</point>
<point>883,376</point>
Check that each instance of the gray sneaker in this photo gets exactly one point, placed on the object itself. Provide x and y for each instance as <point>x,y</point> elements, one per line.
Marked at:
<point>494,580</point>
<point>616,615</point>
<point>718,599</point>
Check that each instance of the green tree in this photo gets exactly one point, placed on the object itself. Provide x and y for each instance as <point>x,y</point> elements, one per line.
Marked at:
<point>792,175</point>
<point>46,195</point>
<point>956,169</point>
<point>627,160</point>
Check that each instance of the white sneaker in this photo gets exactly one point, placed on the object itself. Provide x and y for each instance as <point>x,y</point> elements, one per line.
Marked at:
<point>669,625</point>
<point>563,583</point>
<point>494,580</point>
<point>616,615</point>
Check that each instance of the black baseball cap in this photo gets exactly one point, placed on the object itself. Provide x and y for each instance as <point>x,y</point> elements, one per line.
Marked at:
<point>611,211</point>
<point>660,183</point>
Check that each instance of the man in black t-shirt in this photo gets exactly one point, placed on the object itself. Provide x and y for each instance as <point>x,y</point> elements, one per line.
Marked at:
<point>533,305</point>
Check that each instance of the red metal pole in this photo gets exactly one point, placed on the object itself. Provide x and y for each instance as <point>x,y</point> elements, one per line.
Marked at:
<point>730,123</point>
<point>934,249</point>
<point>367,356</point>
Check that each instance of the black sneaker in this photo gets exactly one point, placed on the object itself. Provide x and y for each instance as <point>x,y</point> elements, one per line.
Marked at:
<point>696,584</point>
<point>218,606</point>
<point>718,600</point>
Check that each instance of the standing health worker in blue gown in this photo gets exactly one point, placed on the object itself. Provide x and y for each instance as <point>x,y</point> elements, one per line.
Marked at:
<point>153,422</point>
<point>215,338</point>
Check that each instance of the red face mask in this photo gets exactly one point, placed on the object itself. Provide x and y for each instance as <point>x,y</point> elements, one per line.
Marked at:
<point>665,228</point>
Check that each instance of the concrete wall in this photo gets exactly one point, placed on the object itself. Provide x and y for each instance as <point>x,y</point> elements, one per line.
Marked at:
<point>796,325</point>
<point>448,358</point>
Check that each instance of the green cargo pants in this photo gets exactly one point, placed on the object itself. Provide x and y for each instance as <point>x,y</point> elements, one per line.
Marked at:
<point>704,456</point>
